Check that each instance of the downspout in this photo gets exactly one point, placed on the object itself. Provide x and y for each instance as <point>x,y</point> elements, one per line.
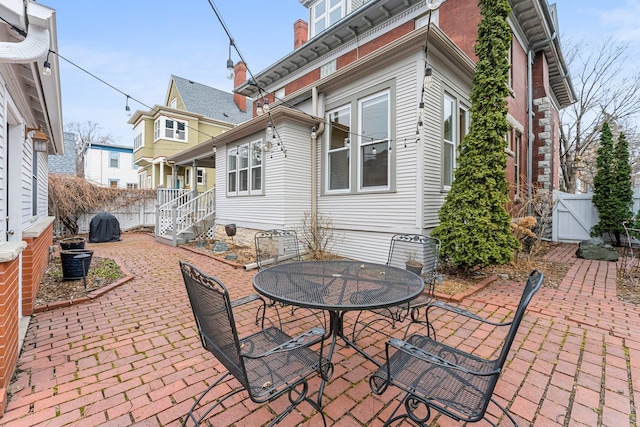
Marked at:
<point>314,154</point>
<point>530,137</point>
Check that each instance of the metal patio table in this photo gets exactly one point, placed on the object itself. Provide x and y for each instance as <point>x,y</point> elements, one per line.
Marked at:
<point>338,286</point>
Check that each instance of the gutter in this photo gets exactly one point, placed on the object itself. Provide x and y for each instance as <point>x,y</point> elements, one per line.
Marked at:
<point>32,48</point>
<point>314,153</point>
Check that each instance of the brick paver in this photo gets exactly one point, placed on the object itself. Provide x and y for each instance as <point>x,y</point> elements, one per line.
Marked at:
<point>132,356</point>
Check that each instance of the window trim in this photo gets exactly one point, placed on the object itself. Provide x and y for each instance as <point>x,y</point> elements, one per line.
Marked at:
<point>160,129</point>
<point>325,16</point>
<point>354,147</point>
<point>458,106</point>
<point>250,148</point>
<point>114,155</point>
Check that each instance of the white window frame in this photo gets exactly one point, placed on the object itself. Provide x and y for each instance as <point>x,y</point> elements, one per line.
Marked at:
<point>242,173</point>
<point>162,130</point>
<point>322,13</point>
<point>256,167</point>
<point>364,142</point>
<point>113,155</point>
<point>347,148</point>
<point>459,130</point>
<point>358,141</point>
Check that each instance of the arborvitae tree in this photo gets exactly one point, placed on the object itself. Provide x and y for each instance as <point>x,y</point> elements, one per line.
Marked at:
<point>612,188</point>
<point>475,227</point>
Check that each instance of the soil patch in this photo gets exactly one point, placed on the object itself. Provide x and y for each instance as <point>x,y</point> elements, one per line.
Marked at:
<point>53,288</point>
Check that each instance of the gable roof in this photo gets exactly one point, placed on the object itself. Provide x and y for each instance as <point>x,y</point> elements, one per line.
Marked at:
<point>208,101</point>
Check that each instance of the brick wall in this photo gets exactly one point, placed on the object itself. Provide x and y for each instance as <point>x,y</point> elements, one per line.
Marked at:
<point>34,262</point>
<point>8,324</point>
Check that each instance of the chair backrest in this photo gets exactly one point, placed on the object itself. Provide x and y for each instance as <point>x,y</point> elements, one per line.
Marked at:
<point>211,307</point>
<point>273,246</point>
<point>534,281</point>
<point>417,247</point>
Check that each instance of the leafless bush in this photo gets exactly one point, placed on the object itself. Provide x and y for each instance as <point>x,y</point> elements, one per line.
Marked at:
<point>317,234</point>
<point>532,217</point>
<point>71,196</point>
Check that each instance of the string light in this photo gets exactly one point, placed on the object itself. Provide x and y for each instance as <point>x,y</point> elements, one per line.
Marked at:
<point>230,61</point>
<point>46,66</point>
<point>126,107</point>
<point>259,110</point>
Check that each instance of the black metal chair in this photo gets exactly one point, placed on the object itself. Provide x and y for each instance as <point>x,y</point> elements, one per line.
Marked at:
<point>277,246</point>
<point>274,246</point>
<point>631,252</point>
<point>417,253</point>
<point>451,381</point>
<point>267,364</point>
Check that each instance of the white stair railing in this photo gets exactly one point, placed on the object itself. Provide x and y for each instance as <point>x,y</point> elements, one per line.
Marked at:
<point>181,217</point>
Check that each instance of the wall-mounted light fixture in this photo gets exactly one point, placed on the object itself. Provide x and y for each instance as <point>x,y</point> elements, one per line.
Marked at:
<point>38,137</point>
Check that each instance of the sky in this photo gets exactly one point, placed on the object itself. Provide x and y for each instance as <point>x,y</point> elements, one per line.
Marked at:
<point>136,45</point>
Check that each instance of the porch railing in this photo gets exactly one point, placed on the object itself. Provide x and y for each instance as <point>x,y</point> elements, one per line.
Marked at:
<point>180,217</point>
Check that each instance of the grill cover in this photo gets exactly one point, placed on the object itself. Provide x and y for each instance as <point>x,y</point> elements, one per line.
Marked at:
<point>104,227</point>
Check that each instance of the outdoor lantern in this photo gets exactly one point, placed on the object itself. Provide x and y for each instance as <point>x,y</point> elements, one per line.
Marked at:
<point>38,137</point>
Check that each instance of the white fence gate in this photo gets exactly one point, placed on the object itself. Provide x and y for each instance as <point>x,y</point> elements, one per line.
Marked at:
<point>574,215</point>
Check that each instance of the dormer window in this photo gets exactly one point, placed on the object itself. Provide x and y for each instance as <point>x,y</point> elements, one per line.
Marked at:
<point>166,128</point>
<point>325,13</point>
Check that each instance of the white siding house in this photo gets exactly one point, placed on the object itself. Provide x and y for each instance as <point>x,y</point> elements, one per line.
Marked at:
<point>30,130</point>
<point>358,80</point>
<point>110,166</point>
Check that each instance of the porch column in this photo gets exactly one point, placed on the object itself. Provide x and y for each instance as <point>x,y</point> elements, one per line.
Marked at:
<point>162,172</point>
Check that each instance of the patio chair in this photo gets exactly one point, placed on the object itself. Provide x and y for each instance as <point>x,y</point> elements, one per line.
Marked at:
<point>277,246</point>
<point>437,376</point>
<point>415,252</point>
<point>274,246</point>
<point>630,258</point>
<point>267,363</point>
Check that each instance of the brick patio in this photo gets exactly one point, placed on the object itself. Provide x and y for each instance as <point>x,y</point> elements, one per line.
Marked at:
<point>132,356</point>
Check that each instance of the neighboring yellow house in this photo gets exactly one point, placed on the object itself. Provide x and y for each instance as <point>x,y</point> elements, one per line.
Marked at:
<point>192,113</point>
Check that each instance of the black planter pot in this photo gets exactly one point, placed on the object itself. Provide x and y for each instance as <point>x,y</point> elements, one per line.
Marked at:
<point>72,243</point>
<point>75,263</point>
<point>414,268</point>
<point>230,229</point>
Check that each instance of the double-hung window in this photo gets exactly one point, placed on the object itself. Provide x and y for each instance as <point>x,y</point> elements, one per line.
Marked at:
<point>325,14</point>
<point>167,128</point>
<point>455,126</point>
<point>338,150</point>
<point>244,169</point>
<point>357,144</point>
<point>114,159</point>
<point>374,141</point>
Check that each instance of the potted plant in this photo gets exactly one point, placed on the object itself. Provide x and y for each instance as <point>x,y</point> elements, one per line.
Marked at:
<point>75,242</point>
<point>75,263</point>
<point>412,264</point>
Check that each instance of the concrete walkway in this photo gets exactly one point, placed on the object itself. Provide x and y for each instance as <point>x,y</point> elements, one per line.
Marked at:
<point>132,357</point>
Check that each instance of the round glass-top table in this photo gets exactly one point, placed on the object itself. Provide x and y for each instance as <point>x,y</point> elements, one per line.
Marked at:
<point>338,287</point>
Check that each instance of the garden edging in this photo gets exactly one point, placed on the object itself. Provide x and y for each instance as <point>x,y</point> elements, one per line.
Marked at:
<point>90,296</point>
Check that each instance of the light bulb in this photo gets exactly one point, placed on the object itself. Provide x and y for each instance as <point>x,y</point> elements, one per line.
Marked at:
<point>266,105</point>
<point>313,132</point>
<point>259,110</point>
<point>46,71</point>
<point>428,76</point>
<point>230,68</point>
<point>374,151</point>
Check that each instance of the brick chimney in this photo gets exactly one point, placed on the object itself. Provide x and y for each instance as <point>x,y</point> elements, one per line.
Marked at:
<point>300,33</point>
<point>240,76</point>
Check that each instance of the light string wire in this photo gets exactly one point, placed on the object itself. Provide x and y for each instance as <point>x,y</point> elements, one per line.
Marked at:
<point>262,93</point>
<point>153,110</point>
<point>420,122</point>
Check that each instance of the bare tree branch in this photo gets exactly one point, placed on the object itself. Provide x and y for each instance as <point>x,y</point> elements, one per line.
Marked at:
<point>603,91</point>
<point>87,133</point>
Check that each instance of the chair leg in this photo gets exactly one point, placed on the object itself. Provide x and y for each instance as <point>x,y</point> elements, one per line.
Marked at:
<point>354,335</point>
<point>192,416</point>
<point>410,403</point>
<point>295,398</point>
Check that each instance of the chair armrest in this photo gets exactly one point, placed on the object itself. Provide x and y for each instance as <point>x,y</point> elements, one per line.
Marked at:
<point>246,300</point>
<point>305,339</point>
<point>419,353</point>
<point>466,313</point>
